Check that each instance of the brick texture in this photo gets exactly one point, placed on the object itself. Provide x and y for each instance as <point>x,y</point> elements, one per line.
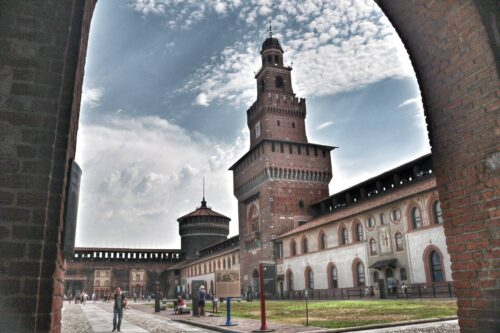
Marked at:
<point>457,70</point>
<point>41,69</point>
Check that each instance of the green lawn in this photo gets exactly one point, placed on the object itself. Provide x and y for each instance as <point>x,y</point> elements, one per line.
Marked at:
<point>337,314</point>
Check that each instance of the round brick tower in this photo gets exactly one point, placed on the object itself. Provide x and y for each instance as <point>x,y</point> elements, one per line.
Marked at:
<point>202,228</point>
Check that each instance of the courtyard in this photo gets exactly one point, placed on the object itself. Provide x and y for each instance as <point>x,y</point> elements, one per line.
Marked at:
<point>283,316</point>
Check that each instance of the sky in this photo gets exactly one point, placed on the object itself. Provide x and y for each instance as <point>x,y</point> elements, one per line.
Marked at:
<point>166,88</point>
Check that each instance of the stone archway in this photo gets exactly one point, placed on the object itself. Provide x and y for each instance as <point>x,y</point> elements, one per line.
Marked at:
<point>454,48</point>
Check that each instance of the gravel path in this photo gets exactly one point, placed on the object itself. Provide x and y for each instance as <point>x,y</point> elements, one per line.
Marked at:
<point>73,320</point>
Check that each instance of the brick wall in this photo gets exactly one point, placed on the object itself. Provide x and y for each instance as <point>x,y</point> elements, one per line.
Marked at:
<point>458,75</point>
<point>41,70</point>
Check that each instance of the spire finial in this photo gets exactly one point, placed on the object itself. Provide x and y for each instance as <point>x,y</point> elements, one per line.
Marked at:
<point>203,202</point>
<point>270,30</point>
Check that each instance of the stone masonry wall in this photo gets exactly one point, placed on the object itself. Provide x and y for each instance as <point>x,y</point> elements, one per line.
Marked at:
<point>41,72</point>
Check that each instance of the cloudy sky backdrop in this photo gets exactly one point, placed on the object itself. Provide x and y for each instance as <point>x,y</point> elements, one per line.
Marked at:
<point>168,83</point>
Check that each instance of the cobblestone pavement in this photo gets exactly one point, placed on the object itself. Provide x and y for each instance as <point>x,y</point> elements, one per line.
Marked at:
<point>73,320</point>
<point>97,318</point>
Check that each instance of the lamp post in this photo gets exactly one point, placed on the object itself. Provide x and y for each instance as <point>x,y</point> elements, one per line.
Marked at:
<point>306,294</point>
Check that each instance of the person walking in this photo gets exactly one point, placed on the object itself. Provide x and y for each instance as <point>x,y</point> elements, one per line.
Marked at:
<point>201,300</point>
<point>119,304</point>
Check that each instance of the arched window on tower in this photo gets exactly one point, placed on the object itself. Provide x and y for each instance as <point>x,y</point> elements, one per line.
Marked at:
<point>399,242</point>
<point>253,219</point>
<point>373,247</point>
<point>279,82</point>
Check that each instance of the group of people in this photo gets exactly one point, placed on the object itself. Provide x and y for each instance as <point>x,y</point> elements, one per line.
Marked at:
<point>80,297</point>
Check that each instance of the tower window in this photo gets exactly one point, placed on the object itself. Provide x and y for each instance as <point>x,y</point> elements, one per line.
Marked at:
<point>278,122</point>
<point>276,60</point>
<point>269,59</point>
<point>273,149</point>
<point>307,151</point>
<point>290,148</point>
<point>279,82</point>
<point>293,125</point>
<point>282,148</point>
<point>301,203</point>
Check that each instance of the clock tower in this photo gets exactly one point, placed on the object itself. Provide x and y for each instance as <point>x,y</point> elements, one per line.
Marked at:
<point>282,173</point>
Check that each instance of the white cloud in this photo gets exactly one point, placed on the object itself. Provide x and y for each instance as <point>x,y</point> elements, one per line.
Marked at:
<point>335,46</point>
<point>324,125</point>
<point>202,99</point>
<point>91,96</point>
<point>140,174</point>
<point>416,100</point>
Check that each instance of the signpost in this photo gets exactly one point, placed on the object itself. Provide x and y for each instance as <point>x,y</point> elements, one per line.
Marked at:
<point>263,324</point>
<point>227,285</point>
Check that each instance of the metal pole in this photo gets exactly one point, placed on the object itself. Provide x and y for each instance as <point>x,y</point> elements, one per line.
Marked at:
<point>307,311</point>
<point>263,326</point>
<point>228,312</point>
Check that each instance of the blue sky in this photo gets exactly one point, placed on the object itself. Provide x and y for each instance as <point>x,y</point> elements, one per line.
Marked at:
<point>167,85</point>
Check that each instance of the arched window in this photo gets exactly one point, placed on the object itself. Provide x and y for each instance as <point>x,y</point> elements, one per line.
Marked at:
<point>436,267</point>
<point>359,232</point>
<point>276,59</point>
<point>309,275</point>
<point>399,242</point>
<point>253,219</point>
<point>416,218</point>
<point>279,82</point>
<point>343,236</point>
<point>269,59</point>
<point>334,277</point>
<point>402,274</point>
<point>106,283</point>
<point>97,283</point>
<point>289,279</point>
<point>360,275</point>
<point>305,248</point>
<point>373,247</point>
<point>370,222</point>
<point>234,259</point>
<point>228,263</point>
<point>97,273</point>
<point>322,240</point>
<point>375,277</point>
<point>293,248</point>
<point>438,214</point>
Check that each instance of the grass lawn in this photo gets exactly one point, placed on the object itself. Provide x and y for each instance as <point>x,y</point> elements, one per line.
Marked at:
<point>337,314</point>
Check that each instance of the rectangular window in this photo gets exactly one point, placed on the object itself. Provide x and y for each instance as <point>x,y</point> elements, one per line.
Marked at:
<point>307,151</point>
<point>299,150</point>
<point>273,148</point>
<point>290,148</point>
<point>257,129</point>
<point>324,153</point>
<point>315,151</point>
<point>282,148</point>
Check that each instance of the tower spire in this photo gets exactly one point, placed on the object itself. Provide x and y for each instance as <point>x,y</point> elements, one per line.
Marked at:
<point>203,202</point>
<point>270,30</point>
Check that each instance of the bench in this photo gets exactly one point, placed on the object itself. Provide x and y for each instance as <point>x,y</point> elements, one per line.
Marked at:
<point>181,311</point>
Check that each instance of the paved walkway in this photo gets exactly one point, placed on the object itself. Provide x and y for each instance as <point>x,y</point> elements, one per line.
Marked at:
<point>101,320</point>
<point>99,317</point>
